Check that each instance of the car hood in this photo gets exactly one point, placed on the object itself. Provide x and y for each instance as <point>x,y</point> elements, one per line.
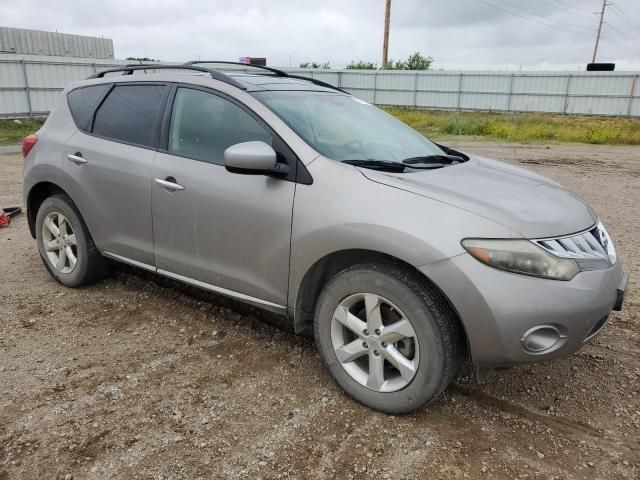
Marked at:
<point>528,203</point>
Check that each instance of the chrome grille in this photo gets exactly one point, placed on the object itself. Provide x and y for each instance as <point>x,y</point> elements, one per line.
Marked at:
<point>588,248</point>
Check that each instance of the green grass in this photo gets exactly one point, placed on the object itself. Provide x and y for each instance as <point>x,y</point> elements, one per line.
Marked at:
<point>12,132</point>
<point>526,128</point>
<point>522,127</point>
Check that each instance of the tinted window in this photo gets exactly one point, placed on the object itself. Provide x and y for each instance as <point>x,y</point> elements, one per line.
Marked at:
<point>83,101</point>
<point>204,125</point>
<point>131,114</point>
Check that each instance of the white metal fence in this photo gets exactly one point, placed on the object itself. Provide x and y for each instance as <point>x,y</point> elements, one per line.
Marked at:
<point>587,93</point>
<point>29,86</point>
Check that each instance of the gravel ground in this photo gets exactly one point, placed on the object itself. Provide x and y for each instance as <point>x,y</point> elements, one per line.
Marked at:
<point>136,377</point>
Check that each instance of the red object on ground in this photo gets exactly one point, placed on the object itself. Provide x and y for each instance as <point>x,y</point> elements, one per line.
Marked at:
<point>28,143</point>
<point>5,220</point>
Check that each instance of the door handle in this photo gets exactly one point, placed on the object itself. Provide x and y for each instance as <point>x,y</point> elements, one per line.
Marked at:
<point>76,158</point>
<point>169,183</point>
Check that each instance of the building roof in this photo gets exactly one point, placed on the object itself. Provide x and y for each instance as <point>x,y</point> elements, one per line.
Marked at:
<point>37,42</point>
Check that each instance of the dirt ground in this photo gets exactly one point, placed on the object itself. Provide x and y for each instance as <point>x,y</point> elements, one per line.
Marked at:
<point>135,378</point>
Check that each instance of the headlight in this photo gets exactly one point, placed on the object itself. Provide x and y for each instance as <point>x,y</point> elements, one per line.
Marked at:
<point>521,256</point>
<point>605,241</point>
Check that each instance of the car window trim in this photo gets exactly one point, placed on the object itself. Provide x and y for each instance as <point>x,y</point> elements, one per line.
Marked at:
<point>157,126</point>
<point>108,88</point>
<point>95,110</point>
<point>295,164</point>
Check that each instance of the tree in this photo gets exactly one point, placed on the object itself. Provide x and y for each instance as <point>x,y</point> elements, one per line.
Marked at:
<point>324,66</point>
<point>415,62</point>
<point>360,65</point>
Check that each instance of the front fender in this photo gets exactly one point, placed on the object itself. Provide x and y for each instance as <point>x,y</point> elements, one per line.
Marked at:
<point>343,210</point>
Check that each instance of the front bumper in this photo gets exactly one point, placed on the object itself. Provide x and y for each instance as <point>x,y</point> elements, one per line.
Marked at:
<point>499,309</point>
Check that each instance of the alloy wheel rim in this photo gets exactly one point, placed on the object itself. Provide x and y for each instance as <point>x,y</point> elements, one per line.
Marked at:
<point>374,342</point>
<point>60,242</point>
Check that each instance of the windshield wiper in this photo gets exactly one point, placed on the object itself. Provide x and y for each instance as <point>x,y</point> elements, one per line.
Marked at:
<point>416,163</point>
<point>435,159</point>
<point>388,165</point>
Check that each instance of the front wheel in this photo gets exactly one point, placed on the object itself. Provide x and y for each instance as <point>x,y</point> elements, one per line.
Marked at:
<point>387,338</point>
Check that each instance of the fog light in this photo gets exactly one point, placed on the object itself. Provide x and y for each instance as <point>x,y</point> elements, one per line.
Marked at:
<point>542,339</point>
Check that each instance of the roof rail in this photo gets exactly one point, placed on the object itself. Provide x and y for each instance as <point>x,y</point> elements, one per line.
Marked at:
<point>320,83</point>
<point>275,71</point>
<point>130,68</point>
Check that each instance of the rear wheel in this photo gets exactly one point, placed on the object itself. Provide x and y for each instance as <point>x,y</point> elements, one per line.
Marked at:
<point>388,339</point>
<point>65,245</point>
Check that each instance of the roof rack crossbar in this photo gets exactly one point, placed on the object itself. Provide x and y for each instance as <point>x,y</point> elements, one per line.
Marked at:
<point>129,69</point>
<point>275,71</point>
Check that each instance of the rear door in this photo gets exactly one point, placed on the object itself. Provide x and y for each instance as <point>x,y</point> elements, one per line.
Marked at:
<point>223,231</point>
<point>108,164</point>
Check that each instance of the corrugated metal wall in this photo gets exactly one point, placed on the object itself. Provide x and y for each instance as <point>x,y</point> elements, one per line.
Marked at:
<point>37,42</point>
<point>29,85</point>
<point>585,93</point>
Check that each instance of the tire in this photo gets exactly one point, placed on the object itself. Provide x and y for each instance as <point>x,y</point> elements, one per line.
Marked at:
<point>427,368</point>
<point>73,237</point>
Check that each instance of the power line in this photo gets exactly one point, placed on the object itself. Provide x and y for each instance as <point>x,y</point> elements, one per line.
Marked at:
<point>637,51</point>
<point>528,12</point>
<point>574,7</point>
<point>620,13</point>
<point>579,11</point>
<point>621,33</point>
<point>605,4</point>
<point>532,19</point>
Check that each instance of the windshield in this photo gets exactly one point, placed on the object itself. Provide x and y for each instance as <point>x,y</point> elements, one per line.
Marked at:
<point>342,127</point>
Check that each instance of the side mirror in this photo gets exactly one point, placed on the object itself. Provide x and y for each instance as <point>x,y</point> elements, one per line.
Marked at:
<point>252,158</point>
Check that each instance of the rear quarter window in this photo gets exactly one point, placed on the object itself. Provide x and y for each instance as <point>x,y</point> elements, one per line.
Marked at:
<point>131,114</point>
<point>83,102</point>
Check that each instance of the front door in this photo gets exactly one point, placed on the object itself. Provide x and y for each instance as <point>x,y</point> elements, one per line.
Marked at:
<point>220,230</point>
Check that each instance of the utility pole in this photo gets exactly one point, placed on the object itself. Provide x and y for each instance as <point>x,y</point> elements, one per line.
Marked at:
<point>385,45</point>
<point>595,49</point>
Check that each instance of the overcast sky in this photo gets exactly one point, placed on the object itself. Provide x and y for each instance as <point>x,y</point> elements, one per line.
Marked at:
<point>458,34</point>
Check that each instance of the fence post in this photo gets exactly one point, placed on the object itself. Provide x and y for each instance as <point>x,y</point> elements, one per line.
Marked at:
<point>375,87</point>
<point>566,96</point>
<point>459,91</point>
<point>415,90</point>
<point>339,79</point>
<point>26,86</point>
<point>634,82</point>
<point>510,92</point>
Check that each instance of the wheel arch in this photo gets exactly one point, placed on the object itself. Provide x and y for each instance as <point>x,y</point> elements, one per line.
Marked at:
<point>328,266</point>
<point>38,193</point>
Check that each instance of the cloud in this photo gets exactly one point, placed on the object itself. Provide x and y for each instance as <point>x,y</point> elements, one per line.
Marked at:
<point>479,34</point>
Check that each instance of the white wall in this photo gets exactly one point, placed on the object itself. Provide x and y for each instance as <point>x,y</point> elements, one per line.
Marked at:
<point>29,85</point>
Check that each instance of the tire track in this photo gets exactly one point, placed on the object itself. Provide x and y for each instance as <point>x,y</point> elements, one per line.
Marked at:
<point>564,425</point>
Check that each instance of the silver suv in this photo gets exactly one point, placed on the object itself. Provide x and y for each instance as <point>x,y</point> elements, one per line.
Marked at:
<point>404,257</point>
